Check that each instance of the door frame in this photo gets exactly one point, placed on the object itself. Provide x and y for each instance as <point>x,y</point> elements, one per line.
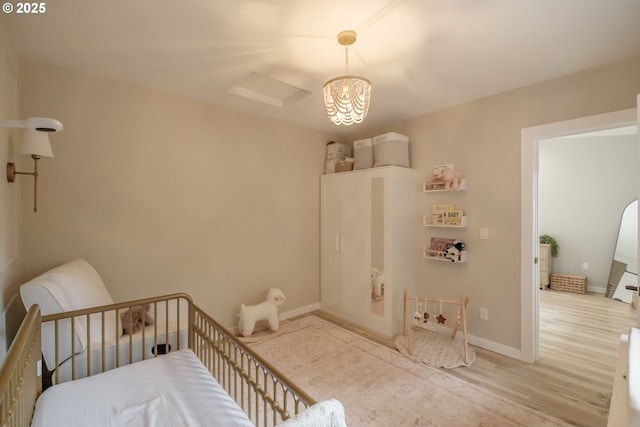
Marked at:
<point>529,275</point>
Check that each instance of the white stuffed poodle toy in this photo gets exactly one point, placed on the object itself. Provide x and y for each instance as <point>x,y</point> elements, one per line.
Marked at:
<point>267,310</point>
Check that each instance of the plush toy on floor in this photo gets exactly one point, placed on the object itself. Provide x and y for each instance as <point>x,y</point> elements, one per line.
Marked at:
<point>267,310</point>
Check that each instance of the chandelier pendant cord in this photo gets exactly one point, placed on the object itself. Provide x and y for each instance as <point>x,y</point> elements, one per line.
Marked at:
<point>346,58</point>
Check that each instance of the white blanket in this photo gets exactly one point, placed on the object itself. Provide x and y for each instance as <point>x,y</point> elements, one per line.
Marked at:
<point>327,413</point>
<point>175,389</point>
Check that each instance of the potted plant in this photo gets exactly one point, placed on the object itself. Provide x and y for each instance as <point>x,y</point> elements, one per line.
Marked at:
<point>546,239</point>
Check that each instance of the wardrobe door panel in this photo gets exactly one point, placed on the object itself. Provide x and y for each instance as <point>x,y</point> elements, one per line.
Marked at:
<point>355,238</point>
<point>368,220</point>
<point>330,242</point>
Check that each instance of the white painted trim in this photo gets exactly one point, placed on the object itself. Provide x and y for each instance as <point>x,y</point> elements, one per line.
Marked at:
<point>528,199</point>
<point>528,249</point>
<point>472,339</point>
<point>495,347</point>
<point>597,289</point>
<point>300,311</point>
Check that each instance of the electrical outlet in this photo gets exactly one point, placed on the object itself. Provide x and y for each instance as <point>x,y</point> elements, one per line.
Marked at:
<point>484,313</point>
<point>585,265</point>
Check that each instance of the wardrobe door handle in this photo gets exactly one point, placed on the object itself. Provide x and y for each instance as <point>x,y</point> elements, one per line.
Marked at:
<point>338,243</point>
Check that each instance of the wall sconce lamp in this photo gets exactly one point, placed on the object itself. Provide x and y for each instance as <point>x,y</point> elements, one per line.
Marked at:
<point>36,144</point>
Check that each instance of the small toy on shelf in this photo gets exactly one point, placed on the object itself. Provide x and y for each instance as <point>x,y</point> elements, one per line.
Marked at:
<point>451,178</point>
<point>454,253</point>
<point>445,178</point>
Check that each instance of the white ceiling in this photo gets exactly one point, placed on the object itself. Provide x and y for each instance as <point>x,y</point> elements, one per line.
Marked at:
<point>420,55</point>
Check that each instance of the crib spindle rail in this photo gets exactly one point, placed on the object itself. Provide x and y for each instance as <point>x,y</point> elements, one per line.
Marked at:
<point>20,383</point>
<point>265,394</point>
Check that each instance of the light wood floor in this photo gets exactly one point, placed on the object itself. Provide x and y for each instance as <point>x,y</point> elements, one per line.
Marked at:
<point>572,380</point>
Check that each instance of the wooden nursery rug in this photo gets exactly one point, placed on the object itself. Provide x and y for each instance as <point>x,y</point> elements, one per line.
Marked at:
<point>434,349</point>
<point>378,386</point>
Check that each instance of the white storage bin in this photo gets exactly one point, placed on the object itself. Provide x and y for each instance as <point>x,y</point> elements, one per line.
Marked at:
<point>391,149</point>
<point>336,150</point>
<point>363,154</point>
<point>330,165</point>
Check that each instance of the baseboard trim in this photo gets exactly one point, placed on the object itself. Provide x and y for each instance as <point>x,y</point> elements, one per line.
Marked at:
<point>496,347</point>
<point>505,350</point>
<point>472,339</point>
<point>300,311</point>
<point>282,316</point>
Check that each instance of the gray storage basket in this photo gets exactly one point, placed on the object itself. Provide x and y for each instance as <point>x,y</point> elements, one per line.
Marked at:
<point>363,154</point>
<point>391,149</point>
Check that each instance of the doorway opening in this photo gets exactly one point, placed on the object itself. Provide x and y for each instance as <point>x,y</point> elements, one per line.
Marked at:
<point>530,280</point>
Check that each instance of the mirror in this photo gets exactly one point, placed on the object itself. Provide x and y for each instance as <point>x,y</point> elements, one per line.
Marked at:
<point>624,267</point>
<point>377,246</point>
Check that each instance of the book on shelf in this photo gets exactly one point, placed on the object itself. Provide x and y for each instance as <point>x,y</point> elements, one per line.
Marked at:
<point>438,212</point>
<point>439,246</point>
<point>453,217</point>
<point>436,184</point>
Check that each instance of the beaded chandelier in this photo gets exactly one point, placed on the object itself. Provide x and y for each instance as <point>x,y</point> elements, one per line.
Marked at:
<point>346,98</point>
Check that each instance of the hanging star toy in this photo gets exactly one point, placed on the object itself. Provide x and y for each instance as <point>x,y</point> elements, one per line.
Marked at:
<point>441,318</point>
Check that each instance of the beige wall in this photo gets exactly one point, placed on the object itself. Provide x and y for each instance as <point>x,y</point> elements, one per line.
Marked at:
<point>584,185</point>
<point>164,194</point>
<point>10,260</point>
<point>482,139</point>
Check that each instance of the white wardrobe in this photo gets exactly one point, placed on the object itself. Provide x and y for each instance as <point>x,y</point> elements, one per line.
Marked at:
<point>368,220</point>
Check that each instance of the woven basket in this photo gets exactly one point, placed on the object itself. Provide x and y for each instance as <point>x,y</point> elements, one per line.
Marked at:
<point>569,283</point>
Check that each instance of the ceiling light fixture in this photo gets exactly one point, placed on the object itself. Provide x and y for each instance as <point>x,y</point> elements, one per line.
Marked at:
<point>346,98</point>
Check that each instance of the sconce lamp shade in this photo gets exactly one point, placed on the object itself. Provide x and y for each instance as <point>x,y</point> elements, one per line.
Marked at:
<point>35,143</point>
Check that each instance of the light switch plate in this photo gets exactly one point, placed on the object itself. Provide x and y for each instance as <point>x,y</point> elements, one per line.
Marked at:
<point>484,233</point>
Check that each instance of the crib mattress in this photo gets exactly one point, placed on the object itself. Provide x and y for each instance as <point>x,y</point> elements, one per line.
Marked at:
<point>175,389</point>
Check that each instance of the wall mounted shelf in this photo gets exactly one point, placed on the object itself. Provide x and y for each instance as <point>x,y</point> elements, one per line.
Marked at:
<point>428,253</point>
<point>426,221</point>
<point>426,187</point>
